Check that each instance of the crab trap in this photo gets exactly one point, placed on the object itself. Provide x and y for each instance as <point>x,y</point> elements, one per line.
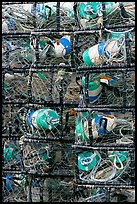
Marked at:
<point>36,49</point>
<point>97,48</point>
<point>90,15</point>
<point>107,87</point>
<point>42,15</point>
<point>105,127</point>
<point>40,86</point>
<point>67,15</point>
<point>24,86</point>
<point>95,87</point>
<point>35,121</point>
<point>15,186</point>
<point>52,190</point>
<point>37,155</point>
<point>11,154</point>
<point>46,158</point>
<point>20,16</point>
<point>86,193</point>
<point>68,101</point>
<point>20,187</point>
<point>47,173</point>
<point>101,166</point>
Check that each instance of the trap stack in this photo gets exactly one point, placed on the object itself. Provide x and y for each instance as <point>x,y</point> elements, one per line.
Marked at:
<point>68,101</point>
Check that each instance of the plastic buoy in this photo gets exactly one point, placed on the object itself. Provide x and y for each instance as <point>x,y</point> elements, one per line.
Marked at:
<point>90,10</point>
<point>94,88</point>
<point>115,35</point>
<point>87,160</point>
<point>62,46</point>
<point>120,156</point>
<point>9,76</point>
<point>94,55</point>
<point>5,26</point>
<point>103,124</point>
<point>43,119</point>
<point>9,152</point>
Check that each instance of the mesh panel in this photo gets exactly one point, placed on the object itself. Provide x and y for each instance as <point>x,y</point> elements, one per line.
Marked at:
<point>68,101</point>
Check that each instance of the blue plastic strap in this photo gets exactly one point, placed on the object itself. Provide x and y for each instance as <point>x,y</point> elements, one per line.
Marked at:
<point>101,48</point>
<point>66,43</point>
<point>8,181</point>
<point>93,98</point>
<point>29,118</point>
<point>101,129</point>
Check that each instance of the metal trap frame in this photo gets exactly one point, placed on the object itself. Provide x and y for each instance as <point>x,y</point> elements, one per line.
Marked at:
<point>50,152</point>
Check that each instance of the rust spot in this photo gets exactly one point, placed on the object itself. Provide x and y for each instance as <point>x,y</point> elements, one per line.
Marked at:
<point>57,41</point>
<point>105,77</point>
<point>133,77</point>
<point>109,116</point>
<point>72,112</point>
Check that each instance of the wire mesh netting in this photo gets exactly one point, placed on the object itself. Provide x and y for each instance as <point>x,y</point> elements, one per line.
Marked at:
<point>12,155</point>
<point>25,120</point>
<point>14,187</point>
<point>111,87</point>
<point>39,86</point>
<point>107,87</point>
<point>20,188</point>
<point>37,156</point>
<point>44,47</point>
<point>100,194</point>
<point>44,15</point>
<point>105,166</point>
<point>71,14</point>
<point>96,48</point>
<point>68,101</point>
<point>111,128</point>
<point>90,14</point>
